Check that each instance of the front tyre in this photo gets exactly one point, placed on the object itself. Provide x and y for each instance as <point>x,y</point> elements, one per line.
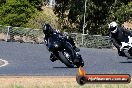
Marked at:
<point>65,58</point>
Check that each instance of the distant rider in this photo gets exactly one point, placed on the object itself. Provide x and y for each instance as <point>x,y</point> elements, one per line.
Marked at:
<point>118,35</point>
<point>48,31</point>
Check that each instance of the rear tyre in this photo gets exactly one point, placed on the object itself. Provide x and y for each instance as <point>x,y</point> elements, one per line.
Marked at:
<point>130,51</point>
<point>79,61</point>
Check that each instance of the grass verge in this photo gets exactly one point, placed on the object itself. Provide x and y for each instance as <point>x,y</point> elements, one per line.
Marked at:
<point>51,82</point>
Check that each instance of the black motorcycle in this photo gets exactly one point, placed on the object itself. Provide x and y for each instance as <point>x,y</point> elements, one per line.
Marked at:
<point>64,51</point>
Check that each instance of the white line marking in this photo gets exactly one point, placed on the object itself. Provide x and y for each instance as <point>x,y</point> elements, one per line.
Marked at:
<point>5,63</point>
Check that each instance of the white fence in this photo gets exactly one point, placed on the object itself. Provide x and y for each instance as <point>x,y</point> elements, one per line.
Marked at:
<point>92,41</point>
<point>20,34</point>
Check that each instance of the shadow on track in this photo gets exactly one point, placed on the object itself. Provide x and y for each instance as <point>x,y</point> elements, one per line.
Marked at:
<point>126,62</point>
<point>64,67</point>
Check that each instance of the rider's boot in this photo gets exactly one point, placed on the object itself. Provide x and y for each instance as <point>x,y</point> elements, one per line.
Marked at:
<point>76,49</point>
<point>121,53</point>
<point>53,57</point>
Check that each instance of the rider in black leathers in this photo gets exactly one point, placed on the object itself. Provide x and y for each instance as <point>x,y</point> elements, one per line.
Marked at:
<point>48,31</point>
<point>118,35</point>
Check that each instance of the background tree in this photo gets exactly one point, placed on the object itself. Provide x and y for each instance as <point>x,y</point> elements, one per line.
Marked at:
<point>2,1</point>
<point>16,12</point>
<point>37,3</point>
<point>40,17</point>
<point>60,10</point>
<point>99,13</point>
<point>70,14</point>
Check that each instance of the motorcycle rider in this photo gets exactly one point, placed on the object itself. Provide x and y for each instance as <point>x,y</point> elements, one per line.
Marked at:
<point>118,35</point>
<point>48,31</point>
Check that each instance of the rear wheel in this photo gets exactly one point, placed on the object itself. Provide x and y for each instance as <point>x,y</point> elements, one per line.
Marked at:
<point>79,61</point>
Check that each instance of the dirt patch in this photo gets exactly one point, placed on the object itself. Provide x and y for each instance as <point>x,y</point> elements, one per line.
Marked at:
<point>127,25</point>
<point>28,39</point>
<point>2,36</point>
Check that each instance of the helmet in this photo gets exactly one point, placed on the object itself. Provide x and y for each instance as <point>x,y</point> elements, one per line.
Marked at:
<point>113,27</point>
<point>47,29</point>
<point>66,33</point>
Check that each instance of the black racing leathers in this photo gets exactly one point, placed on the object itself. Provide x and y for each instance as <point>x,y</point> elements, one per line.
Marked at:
<point>68,39</point>
<point>120,36</point>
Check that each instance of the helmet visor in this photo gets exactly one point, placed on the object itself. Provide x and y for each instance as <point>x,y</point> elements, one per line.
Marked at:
<point>112,28</point>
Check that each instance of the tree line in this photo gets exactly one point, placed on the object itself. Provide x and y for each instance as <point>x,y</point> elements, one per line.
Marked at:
<point>70,13</point>
<point>98,14</point>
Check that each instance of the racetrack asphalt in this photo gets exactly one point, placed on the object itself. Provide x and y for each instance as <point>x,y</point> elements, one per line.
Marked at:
<point>25,59</point>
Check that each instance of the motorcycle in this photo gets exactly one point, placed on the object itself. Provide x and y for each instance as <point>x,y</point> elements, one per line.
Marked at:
<point>127,47</point>
<point>64,51</point>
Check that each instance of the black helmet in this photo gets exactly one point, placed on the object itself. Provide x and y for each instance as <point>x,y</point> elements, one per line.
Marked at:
<point>113,27</point>
<point>47,29</point>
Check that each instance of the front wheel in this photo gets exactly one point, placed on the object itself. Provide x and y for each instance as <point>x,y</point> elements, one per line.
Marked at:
<point>65,58</point>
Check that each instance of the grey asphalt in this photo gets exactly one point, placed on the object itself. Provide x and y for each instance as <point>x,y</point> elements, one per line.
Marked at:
<point>33,59</point>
